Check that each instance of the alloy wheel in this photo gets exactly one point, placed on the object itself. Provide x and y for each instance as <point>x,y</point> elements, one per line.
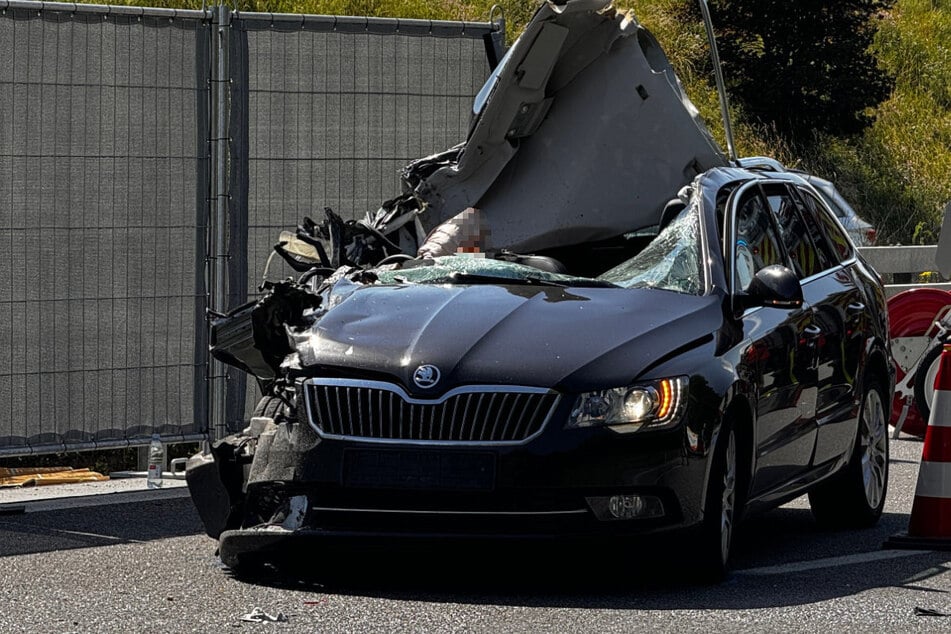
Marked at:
<point>874,432</point>
<point>728,502</point>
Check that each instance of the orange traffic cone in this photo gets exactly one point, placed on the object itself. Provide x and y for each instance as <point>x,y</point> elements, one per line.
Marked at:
<point>930,524</point>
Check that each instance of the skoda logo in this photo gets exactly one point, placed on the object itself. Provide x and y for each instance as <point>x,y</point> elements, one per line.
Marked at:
<point>426,376</point>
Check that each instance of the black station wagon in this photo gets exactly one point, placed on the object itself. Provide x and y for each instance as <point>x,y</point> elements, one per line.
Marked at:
<point>645,336</point>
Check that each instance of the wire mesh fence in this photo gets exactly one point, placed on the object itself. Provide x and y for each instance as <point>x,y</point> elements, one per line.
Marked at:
<point>333,109</point>
<point>108,194</point>
<point>100,183</point>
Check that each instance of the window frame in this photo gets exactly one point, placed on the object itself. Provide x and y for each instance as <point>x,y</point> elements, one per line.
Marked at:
<point>830,222</point>
<point>729,248</point>
<point>825,257</point>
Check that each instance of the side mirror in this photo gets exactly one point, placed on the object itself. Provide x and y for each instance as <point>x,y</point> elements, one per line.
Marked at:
<point>773,286</point>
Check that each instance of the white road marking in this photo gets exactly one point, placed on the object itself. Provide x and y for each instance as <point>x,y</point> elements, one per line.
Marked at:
<point>60,531</point>
<point>830,562</point>
<point>123,540</point>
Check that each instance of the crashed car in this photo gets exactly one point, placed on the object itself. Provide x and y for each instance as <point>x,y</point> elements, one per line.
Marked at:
<point>604,327</point>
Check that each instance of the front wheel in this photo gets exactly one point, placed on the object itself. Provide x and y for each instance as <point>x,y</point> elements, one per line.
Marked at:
<point>855,496</point>
<point>720,512</point>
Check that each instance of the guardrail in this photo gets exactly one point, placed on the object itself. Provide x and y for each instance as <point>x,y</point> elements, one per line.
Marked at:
<point>902,262</point>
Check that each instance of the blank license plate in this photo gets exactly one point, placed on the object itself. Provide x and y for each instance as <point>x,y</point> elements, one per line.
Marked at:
<point>396,469</point>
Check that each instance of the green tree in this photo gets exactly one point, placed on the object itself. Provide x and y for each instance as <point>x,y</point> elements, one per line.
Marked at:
<point>802,67</point>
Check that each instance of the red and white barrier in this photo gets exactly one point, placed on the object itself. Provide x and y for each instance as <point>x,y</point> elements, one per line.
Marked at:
<point>930,524</point>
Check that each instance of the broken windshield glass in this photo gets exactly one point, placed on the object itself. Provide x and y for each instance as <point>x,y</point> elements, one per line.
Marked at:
<point>463,269</point>
<point>670,262</point>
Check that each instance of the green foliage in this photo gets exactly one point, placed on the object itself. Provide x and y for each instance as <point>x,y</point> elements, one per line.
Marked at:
<point>912,130</point>
<point>896,172</point>
<point>802,66</point>
<point>914,44</point>
<point>866,174</point>
<point>912,136</point>
<point>678,27</point>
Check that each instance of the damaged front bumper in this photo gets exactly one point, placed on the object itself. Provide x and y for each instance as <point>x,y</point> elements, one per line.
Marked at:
<point>296,489</point>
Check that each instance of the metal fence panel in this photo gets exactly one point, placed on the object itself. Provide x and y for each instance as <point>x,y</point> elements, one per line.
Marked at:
<point>103,180</point>
<point>333,108</point>
<point>107,150</point>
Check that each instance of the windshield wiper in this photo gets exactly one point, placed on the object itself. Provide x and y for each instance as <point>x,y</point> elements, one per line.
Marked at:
<point>463,278</point>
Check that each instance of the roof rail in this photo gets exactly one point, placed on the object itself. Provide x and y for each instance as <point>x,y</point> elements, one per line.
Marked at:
<point>763,163</point>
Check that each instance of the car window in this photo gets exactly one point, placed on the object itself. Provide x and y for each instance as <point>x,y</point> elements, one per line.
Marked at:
<point>830,201</point>
<point>671,261</point>
<point>824,251</point>
<point>806,261</point>
<point>833,240</point>
<point>756,242</point>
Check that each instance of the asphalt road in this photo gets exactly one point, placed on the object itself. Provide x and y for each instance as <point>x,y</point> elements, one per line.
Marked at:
<point>146,566</point>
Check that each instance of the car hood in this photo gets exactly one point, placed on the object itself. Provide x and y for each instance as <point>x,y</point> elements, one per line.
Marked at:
<point>583,133</point>
<point>566,338</point>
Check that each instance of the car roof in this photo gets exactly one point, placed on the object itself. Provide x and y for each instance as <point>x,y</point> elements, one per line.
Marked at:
<point>720,176</point>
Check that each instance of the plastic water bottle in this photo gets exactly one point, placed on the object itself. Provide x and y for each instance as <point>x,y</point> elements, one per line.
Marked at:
<point>156,462</point>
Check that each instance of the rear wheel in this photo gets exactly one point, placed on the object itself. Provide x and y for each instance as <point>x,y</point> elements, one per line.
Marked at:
<point>855,496</point>
<point>720,513</point>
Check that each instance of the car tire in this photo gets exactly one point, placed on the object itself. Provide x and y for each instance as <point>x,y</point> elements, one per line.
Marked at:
<point>855,496</point>
<point>924,380</point>
<point>720,511</point>
<point>268,406</point>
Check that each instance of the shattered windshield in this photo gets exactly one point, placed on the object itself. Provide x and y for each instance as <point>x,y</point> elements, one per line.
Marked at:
<point>670,262</point>
<point>464,269</point>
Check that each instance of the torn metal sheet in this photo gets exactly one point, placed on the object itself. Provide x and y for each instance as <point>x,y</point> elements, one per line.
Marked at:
<point>582,133</point>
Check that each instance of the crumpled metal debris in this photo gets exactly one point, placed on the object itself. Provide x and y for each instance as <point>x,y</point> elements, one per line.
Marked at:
<point>257,615</point>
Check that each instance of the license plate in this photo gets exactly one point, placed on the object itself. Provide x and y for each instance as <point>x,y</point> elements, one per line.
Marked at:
<point>397,469</point>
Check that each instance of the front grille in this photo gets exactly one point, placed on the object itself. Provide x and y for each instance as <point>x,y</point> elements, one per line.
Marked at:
<point>385,412</point>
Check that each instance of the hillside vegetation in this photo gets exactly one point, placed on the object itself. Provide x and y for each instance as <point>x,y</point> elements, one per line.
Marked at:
<point>895,167</point>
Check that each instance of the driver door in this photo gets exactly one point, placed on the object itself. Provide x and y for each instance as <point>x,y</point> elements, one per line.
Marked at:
<point>779,357</point>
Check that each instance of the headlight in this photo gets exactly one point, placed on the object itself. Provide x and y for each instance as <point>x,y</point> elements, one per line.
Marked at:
<point>649,405</point>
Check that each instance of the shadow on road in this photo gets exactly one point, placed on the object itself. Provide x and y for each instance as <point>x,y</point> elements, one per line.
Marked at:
<point>652,574</point>
<point>105,525</point>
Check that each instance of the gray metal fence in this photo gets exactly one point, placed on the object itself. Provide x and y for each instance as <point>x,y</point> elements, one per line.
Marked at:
<point>102,198</point>
<point>148,158</point>
<point>333,108</point>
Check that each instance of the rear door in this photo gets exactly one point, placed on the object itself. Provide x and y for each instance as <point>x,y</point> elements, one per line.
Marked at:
<point>841,314</point>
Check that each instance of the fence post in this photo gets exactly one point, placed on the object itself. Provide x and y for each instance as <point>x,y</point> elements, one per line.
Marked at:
<point>218,229</point>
